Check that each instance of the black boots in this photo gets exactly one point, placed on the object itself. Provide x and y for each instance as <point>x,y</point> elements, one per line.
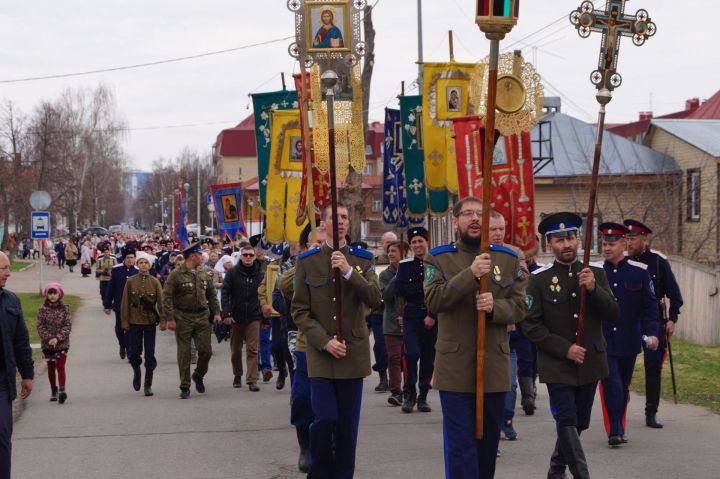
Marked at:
<point>280,382</point>
<point>62,395</point>
<point>136,377</point>
<point>199,384</point>
<point>527,391</point>
<point>422,404</point>
<point>651,421</point>
<point>383,385</point>
<point>557,463</point>
<point>53,393</point>
<point>303,437</point>
<point>409,402</point>
<point>148,383</point>
<point>573,453</point>
<point>122,352</point>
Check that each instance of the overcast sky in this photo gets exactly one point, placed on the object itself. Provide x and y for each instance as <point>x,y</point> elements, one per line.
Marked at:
<point>43,37</point>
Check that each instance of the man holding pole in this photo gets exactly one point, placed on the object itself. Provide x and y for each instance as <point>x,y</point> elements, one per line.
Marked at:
<point>571,371</point>
<point>666,286</point>
<point>338,358</point>
<point>452,275</point>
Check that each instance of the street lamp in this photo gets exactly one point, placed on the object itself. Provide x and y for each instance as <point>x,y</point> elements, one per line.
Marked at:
<point>156,208</point>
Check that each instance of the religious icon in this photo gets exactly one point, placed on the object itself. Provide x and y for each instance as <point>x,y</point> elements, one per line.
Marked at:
<point>295,149</point>
<point>328,24</point>
<point>229,208</point>
<point>454,102</point>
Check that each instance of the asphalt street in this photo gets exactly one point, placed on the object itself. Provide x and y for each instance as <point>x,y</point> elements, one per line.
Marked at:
<point>108,430</point>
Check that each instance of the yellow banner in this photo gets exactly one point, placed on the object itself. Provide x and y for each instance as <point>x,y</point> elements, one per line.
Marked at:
<point>284,177</point>
<point>447,94</point>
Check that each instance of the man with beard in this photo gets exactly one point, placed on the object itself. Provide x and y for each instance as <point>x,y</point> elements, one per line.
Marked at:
<point>571,371</point>
<point>665,286</point>
<point>452,275</point>
<point>419,325</point>
<point>336,366</point>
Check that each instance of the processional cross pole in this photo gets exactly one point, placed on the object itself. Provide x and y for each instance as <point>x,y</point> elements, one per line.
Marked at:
<point>614,24</point>
<point>495,18</point>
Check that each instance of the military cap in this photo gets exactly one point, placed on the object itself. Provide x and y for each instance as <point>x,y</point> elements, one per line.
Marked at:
<point>255,240</point>
<point>635,228</point>
<point>127,251</point>
<point>104,247</point>
<point>612,231</point>
<point>560,224</point>
<point>193,248</point>
<point>359,245</point>
<point>418,231</point>
<point>147,246</point>
<point>227,251</point>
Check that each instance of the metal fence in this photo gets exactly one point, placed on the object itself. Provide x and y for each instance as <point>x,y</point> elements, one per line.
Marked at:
<point>699,320</point>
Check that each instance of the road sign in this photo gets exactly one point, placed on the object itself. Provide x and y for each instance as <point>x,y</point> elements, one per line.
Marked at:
<point>40,225</point>
<point>40,200</point>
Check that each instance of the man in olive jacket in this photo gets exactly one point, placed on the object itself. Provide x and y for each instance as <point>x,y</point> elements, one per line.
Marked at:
<point>452,274</point>
<point>336,368</point>
<point>571,371</point>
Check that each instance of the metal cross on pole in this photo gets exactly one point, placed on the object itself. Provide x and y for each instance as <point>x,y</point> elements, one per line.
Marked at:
<point>613,24</point>
<point>495,18</point>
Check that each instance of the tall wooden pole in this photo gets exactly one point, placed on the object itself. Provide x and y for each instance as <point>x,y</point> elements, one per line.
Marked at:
<point>310,185</point>
<point>329,79</point>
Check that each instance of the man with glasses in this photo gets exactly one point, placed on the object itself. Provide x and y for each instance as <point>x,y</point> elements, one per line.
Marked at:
<point>241,311</point>
<point>452,279</point>
<point>189,292</point>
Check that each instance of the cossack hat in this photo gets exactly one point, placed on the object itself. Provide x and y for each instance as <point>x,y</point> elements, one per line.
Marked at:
<point>612,231</point>
<point>635,228</point>
<point>193,248</point>
<point>560,224</point>
<point>418,231</point>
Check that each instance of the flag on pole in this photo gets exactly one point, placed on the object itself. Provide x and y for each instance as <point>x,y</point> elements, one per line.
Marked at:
<point>181,232</point>
<point>228,200</point>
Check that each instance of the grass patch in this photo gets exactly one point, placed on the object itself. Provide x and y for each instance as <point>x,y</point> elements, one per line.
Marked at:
<point>697,375</point>
<point>16,266</point>
<point>31,303</point>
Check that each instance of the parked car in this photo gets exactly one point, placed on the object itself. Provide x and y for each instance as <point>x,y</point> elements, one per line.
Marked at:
<point>95,230</point>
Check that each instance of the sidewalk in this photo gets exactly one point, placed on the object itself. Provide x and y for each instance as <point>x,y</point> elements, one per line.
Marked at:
<point>108,430</point>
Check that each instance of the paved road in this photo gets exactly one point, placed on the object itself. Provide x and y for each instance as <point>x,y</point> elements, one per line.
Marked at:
<point>108,430</point>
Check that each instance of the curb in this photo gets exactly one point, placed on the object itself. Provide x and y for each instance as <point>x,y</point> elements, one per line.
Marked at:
<point>18,404</point>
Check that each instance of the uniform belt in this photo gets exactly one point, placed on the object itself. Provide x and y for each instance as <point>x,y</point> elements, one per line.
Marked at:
<point>193,311</point>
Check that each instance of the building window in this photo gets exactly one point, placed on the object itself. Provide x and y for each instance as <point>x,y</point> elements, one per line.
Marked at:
<point>693,194</point>
<point>376,206</point>
<point>368,171</point>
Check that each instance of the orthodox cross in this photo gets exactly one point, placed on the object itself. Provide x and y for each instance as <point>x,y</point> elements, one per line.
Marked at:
<point>523,224</point>
<point>416,186</point>
<point>391,193</point>
<point>435,157</point>
<point>613,24</point>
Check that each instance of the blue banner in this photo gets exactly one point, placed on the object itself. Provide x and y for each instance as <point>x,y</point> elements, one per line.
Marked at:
<point>228,210</point>
<point>181,232</point>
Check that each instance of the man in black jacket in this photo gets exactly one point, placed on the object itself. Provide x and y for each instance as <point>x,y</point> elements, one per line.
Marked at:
<point>241,311</point>
<point>15,354</point>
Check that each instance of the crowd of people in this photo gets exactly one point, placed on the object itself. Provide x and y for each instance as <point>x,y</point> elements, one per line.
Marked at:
<point>309,311</point>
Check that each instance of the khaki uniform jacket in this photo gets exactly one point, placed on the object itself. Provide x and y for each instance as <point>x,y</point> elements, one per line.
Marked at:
<point>450,288</point>
<point>553,297</point>
<point>286,284</point>
<point>142,301</point>
<point>267,285</point>
<point>188,294</point>
<point>104,267</point>
<point>313,310</point>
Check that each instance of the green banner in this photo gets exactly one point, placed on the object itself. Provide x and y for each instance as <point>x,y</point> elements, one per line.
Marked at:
<point>418,196</point>
<point>263,105</point>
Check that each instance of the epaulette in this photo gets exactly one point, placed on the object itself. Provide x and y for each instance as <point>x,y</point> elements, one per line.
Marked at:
<point>448,248</point>
<point>503,249</point>
<point>543,268</point>
<point>407,260</point>
<point>309,252</point>
<point>658,253</point>
<point>362,253</point>
<point>597,264</point>
<point>119,264</point>
<point>637,264</point>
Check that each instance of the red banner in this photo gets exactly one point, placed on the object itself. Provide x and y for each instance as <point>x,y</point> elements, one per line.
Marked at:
<point>320,182</point>
<point>513,193</point>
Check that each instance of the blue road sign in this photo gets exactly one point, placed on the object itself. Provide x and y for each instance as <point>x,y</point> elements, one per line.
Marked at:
<point>40,225</point>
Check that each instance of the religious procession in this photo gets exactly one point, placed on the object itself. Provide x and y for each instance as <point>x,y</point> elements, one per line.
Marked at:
<point>471,288</point>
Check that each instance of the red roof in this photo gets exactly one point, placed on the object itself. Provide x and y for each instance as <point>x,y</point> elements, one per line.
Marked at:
<point>710,110</point>
<point>237,141</point>
<point>632,130</point>
<point>375,139</point>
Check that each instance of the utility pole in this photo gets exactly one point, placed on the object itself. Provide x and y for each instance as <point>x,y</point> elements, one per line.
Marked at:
<point>420,46</point>
<point>198,194</point>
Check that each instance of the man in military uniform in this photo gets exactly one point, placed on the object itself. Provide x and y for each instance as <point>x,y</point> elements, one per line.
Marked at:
<point>571,371</point>
<point>419,325</point>
<point>375,323</point>
<point>632,287</point>
<point>666,286</point>
<point>114,291</point>
<point>104,267</point>
<point>189,292</point>
<point>336,366</point>
<point>141,311</point>
<point>452,275</point>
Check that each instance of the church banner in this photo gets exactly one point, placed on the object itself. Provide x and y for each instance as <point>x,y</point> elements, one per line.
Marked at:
<point>284,178</point>
<point>263,106</point>
<point>446,95</point>
<point>420,201</point>
<point>393,180</point>
<point>228,200</point>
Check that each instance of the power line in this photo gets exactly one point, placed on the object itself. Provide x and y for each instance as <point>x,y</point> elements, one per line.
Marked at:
<point>148,64</point>
<point>507,47</point>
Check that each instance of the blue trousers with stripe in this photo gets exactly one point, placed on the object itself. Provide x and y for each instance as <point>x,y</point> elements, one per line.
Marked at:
<point>465,456</point>
<point>333,434</point>
<point>301,414</point>
<point>615,394</point>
